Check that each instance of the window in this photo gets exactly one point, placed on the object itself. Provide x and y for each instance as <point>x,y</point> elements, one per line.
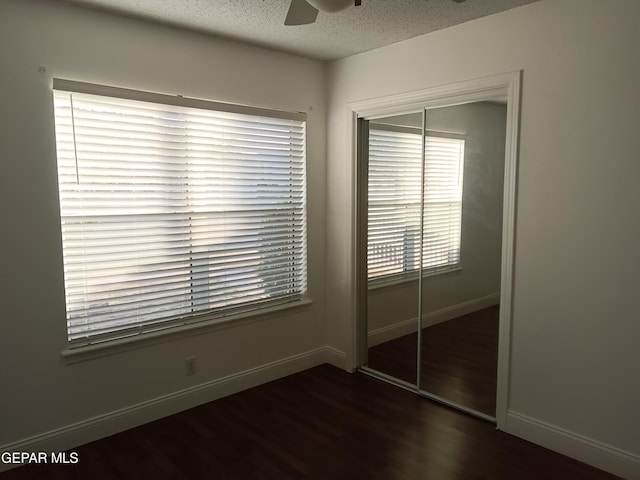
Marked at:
<point>395,200</point>
<point>175,210</point>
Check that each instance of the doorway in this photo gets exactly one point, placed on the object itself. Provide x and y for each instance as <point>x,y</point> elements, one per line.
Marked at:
<point>435,203</point>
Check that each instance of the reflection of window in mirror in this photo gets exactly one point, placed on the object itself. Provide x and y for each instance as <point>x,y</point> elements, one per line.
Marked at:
<point>394,202</point>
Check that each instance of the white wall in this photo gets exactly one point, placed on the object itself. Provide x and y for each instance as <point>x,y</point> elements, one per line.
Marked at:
<point>483,125</point>
<point>39,393</point>
<point>574,364</point>
<point>574,368</point>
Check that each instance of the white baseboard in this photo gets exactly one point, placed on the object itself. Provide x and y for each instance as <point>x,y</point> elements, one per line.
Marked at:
<point>335,357</point>
<point>101,426</point>
<point>405,327</point>
<point>605,457</point>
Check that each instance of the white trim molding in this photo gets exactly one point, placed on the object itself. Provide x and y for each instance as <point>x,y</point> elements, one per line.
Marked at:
<point>496,87</point>
<point>605,457</point>
<point>100,426</point>
<point>405,327</point>
<point>110,346</point>
<point>337,358</point>
<point>513,84</point>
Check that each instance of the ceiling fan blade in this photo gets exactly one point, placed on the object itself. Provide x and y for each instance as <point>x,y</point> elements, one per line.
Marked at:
<point>331,6</point>
<point>300,13</point>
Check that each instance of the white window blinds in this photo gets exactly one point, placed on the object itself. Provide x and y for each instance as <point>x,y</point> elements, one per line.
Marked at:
<point>394,201</point>
<point>170,212</point>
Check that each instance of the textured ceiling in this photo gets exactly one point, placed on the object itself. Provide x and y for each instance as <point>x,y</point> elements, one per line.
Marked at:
<point>260,22</point>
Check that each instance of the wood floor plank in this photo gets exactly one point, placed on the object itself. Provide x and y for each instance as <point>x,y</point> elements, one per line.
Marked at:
<point>322,423</point>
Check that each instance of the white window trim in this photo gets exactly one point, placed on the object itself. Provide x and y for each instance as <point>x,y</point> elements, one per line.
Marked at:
<point>127,339</point>
<point>109,346</point>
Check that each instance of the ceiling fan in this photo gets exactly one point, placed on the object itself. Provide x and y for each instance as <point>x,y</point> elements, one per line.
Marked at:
<point>304,12</point>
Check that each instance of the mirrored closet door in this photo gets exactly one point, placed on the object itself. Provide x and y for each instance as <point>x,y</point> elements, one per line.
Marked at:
<point>433,209</point>
<point>393,198</point>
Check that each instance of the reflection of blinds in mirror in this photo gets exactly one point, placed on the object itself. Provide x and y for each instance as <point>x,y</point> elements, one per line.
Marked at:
<point>394,194</point>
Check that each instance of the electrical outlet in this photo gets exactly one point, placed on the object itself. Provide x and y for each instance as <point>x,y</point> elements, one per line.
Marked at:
<point>190,365</point>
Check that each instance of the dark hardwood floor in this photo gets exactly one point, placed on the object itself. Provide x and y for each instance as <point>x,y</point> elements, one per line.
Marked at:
<point>319,424</point>
<point>459,359</point>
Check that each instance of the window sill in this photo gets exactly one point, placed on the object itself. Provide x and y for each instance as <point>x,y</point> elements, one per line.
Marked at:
<point>103,348</point>
<point>398,281</point>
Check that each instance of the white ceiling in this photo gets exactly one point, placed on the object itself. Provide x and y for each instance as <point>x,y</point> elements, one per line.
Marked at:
<point>260,22</point>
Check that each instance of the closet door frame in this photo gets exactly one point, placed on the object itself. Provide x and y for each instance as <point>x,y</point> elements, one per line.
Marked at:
<point>495,87</point>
